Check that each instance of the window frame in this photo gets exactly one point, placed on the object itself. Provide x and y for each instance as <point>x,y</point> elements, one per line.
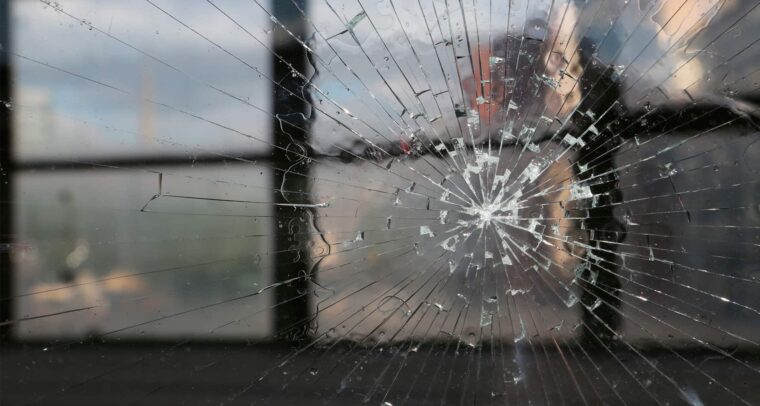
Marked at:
<point>292,55</point>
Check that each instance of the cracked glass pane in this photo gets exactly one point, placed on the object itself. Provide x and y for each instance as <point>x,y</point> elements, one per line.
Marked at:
<point>384,202</point>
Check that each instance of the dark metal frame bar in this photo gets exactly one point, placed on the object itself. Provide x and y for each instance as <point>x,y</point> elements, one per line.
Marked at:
<point>6,174</point>
<point>291,133</point>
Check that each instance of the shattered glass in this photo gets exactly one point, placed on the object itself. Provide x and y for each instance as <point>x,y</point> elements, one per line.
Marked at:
<point>384,202</point>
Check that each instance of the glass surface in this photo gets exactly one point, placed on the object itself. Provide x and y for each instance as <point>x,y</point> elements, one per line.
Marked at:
<point>382,202</point>
<point>108,78</point>
<point>95,243</point>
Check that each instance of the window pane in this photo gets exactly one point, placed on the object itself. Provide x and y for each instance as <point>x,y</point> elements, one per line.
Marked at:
<point>96,239</point>
<point>107,78</point>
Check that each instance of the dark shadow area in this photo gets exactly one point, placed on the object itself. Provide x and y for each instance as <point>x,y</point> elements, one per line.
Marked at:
<point>493,373</point>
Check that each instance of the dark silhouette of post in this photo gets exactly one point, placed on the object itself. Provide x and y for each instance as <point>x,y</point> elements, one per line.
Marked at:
<point>600,279</point>
<point>290,170</point>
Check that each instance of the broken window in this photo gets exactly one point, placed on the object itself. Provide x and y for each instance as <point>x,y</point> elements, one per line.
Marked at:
<point>422,202</point>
